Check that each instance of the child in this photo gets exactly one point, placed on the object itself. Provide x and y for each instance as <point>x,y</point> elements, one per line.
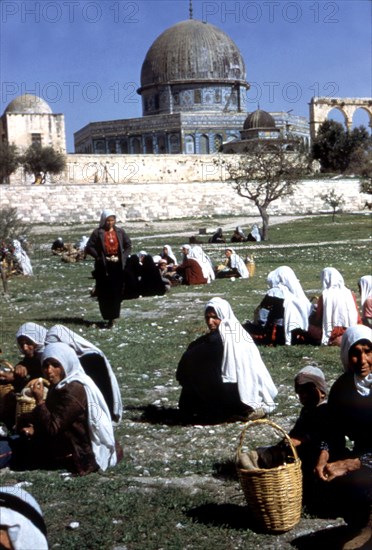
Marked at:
<point>308,432</point>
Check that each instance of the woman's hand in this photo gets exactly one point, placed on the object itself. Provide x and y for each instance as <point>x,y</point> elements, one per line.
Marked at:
<point>21,371</point>
<point>321,465</point>
<point>37,390</point>
<point>341,467</point>
<point>28,431</point>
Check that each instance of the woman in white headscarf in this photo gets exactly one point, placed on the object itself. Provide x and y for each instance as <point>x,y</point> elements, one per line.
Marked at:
<point>72,426</point>
<point>110,247</point>
<point>222,373</point>
<point>284,309</point>
<point>22,522</point>
<point>336,308</point>
<point>30,339</point>
<point>197,253</point>
<point>22,258</point>
<point>235,266</point>
<point>350,406</point>
<point>94,363</point>
<point>365,287</point>
<point>168,255</point>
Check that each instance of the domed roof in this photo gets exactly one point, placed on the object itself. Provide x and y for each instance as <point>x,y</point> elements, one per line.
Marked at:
<point>259,119</point>
<point>192,51</point>
<point>28,104</point>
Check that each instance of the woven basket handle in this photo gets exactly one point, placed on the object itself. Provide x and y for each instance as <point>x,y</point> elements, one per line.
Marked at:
<point>250,423</point>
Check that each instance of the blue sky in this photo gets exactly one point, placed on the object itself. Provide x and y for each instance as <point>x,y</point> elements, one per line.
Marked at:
<point>84,57</point>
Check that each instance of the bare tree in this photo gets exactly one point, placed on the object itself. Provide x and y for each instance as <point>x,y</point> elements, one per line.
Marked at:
<point>268,171</point>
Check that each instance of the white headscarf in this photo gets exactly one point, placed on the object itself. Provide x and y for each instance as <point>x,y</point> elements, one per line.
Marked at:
<point>104,215</point>
<point>22,258</point>
<point>99,420</point>
<point>22,531</point>
<point>197,253</point>
<point>255,232</point>
<point>238,263</point>
<point>339,308</point>
<point>34,332</point>
<point>365,284</point>
<point>170,253</point>
<point>284,284</point>
<point>82,347</point>
<point>350,337</point>
<point>242,363</point>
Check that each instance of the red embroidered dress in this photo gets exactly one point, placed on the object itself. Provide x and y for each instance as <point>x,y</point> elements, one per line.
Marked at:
<point>111,243</point>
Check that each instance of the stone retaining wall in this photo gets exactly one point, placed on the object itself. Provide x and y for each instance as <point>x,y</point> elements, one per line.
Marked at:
<point>60,203</point>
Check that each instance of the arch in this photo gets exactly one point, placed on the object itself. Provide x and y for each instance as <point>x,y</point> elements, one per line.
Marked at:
<point>361,111</point>
<point>204,144</point>
<point>149,145</point>
<point>217,142</point>
<point>136,145</point>
<point>321,106</point>
<point>174,143</point>
<point>189,145</point>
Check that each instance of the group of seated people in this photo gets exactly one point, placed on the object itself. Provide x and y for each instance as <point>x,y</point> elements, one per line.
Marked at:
<point>286,316</point>
<point>222,378</point>
<point>72,423</point>
<point>238,235</point>
<point>147,275</point>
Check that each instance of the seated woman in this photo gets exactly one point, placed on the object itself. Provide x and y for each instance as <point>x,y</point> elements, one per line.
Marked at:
<point>221,373</point>
<point>190,270</point>
<point>349,480</point>
<point>284,309</point>
<point>95,364</point>
<point>72,428</point>
<point>151,282</point>
<point>168,255</point>
<point>197,253</point>
<point>255,234</point>
<point>217,237</point>
<point>238,236</point>
<point>235,266</point>
<point>365,287</point>
<point>336,309</point>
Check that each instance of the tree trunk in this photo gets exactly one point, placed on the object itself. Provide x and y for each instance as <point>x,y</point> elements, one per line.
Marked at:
<point>265,222</point>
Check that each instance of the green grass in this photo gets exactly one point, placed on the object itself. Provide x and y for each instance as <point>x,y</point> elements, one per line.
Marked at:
<point>175,488</point>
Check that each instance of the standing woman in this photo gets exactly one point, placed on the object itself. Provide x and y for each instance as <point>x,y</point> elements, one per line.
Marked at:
<point>110,246</point>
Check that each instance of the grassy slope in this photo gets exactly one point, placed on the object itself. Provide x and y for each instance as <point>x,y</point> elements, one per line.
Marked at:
<point>175,487</point>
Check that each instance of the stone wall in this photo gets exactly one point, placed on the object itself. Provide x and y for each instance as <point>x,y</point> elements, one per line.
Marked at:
<point>60,203</point>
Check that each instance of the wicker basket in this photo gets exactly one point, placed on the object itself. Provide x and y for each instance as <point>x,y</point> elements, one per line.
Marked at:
<point>25,402</point>
<point>6,387</point>
<point>274,496</point>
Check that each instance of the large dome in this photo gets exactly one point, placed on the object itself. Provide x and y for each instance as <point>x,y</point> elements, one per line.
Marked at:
<point>259,119</point>
<point>193,51</point>
<point>28,104</point>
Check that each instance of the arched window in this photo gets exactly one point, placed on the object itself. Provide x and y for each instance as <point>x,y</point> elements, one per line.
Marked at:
<point>161,145</point>
<point>174,143</point>
<point>99,147</point>
<point>204,145</point>
<point>112,146</point>
<point>217,142</point>
<point>189,145</point>
<point>136,146</point>
<point>124,146</point>
<point>149,145</point>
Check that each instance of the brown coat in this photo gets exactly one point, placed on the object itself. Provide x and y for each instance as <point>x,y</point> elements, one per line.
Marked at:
<point>191,272</point>
<point>61,423</point>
